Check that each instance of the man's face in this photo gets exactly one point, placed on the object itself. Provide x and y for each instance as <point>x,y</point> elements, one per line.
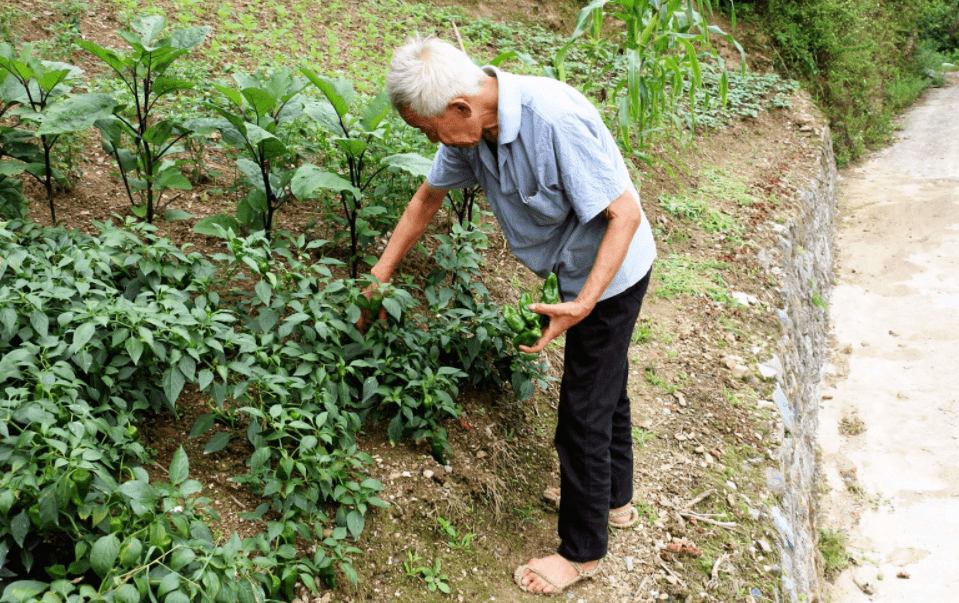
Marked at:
<point>455,127</point>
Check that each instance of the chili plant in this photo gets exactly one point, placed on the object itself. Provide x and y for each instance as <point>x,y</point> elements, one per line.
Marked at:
<point>354,137</point>
<point>40,89</point>
<point>144,167</point>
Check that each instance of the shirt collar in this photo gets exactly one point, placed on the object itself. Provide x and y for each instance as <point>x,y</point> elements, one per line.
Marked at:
<point>509,105</point>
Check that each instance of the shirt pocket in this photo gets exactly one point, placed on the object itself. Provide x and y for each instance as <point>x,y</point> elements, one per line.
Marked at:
<point>547,209</point>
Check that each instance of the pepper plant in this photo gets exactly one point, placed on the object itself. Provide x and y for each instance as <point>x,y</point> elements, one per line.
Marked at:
<point>138,140</point>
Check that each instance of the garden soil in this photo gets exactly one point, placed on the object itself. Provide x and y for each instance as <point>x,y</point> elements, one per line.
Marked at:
<point>890,423</point>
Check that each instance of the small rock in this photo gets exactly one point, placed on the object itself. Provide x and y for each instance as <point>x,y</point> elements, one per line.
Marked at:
<point>700,450</point>
<point>865,587</point>
<point>407,474</point>
<point>481,454</point>
<point>731,485</point>
<point>767,372</point>
<point>764,546</point>
<point>903,574</point>
<point>629,564</point>
<point>428,474</point>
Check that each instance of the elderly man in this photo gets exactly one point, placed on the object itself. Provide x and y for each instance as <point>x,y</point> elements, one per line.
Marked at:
<point>560,189</point>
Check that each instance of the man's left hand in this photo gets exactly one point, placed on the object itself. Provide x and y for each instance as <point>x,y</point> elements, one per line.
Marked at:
<point>561,318</point>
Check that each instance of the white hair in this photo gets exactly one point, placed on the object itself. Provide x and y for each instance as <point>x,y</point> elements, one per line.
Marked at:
<point>427,73</point>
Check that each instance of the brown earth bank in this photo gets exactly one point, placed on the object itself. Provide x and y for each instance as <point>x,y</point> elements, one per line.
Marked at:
<point>703,429</point>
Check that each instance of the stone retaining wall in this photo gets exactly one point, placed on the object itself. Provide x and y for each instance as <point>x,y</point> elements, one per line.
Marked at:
<point>803,265</point>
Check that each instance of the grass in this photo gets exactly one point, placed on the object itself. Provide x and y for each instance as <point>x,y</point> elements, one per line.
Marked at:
<point>698,206</point>
<point>832,544</point>
<point>680,275</point>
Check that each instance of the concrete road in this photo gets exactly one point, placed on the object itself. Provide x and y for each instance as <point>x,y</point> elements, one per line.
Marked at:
<point>889,424</point>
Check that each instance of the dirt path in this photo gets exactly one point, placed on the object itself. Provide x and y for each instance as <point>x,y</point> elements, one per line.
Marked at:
<point>889,427</point>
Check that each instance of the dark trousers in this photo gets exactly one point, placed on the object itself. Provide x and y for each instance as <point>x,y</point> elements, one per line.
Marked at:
<point>594,432</point>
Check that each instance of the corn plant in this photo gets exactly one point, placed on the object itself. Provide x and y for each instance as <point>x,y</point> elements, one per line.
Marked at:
<point>658,44</point>
<point>37,92</point>
<point>144,165</point>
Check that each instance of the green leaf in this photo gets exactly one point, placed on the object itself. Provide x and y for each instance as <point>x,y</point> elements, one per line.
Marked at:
<point>163,85</point>
<point>134,348</point>
<point>261,100</point>
<point>76,113</point>
<point>169,584</point>
<point>393,308</point>
<point>395,430</point>
<point>235,97</point>
<point>23,590</point>
<point>176,214</point>
<point>104,554</point>
<point>355,523</point>
<point>583,18</point>
<point>39,322</point>
<point>127,593</point>
<point>208,226</point>
<point>349,571</point>
<point>180,558</point>
<point>375,111</point>
<point>369,388</point>
<point>353,147</point>
<point>82,335</point>
<point>217,443</point>
<point>148,27</point>
<point>338,92</point>
<point>411,163</point>
<point>325,114</point>
<point>20,527</point>
<point>11,168</point>
<point>264,291</point>
<point>173,382</point>
<point>202,424</point>
<point>107,56</point>
<point>187,39</point>
<point>179,467</point>
<point>309,178</point>
<point>172,177</point>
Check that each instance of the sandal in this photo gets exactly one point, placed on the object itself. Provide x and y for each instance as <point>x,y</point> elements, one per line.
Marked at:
<point>552,496</point>
<point>629,512</point>
<point>581,574</point>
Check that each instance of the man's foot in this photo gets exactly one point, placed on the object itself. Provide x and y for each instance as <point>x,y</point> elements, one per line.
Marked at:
<point>553,575</point>
<point>623,517</point>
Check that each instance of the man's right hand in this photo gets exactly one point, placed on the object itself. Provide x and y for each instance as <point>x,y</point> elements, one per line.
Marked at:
<point>374,311</point>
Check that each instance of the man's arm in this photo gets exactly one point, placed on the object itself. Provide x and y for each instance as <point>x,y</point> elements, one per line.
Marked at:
<point>416,217</point>
<point>624,217</point>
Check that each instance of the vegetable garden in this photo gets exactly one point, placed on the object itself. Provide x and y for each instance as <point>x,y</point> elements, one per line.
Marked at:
<point>100,331</point>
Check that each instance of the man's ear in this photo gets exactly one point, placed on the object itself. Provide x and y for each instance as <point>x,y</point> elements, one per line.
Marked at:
<point>461,105</point>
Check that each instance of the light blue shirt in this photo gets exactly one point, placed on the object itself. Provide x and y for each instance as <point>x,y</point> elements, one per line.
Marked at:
<point>556,169</point>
